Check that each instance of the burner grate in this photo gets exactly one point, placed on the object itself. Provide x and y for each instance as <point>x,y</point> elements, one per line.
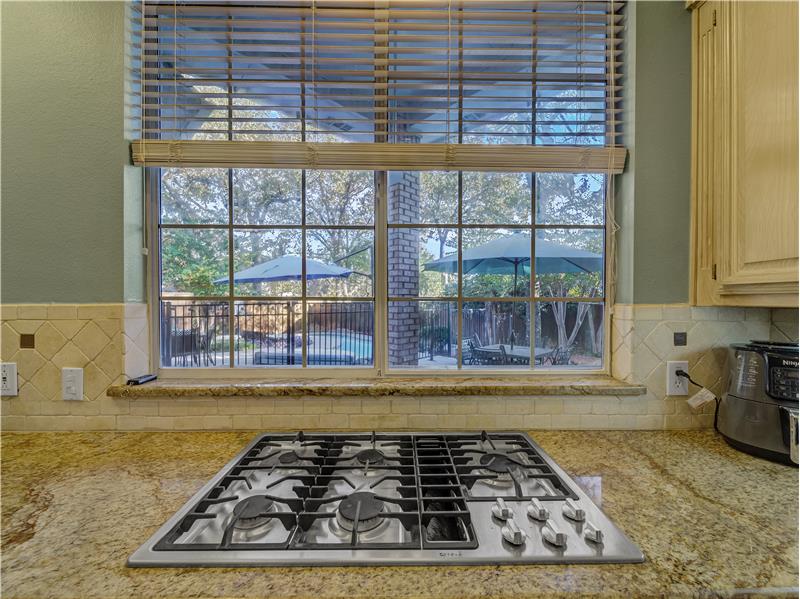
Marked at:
<point>375,490</point>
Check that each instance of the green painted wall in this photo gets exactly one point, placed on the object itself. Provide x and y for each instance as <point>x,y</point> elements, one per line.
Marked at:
<point>653,196</point>
<point>63,151</point>
<point>71,208</point>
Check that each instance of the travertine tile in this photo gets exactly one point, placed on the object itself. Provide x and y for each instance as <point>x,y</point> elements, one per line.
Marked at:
<point>49,340</point>
<point>547,405</point>
<point>62,312</point>
<point>90,339</point>
<point>29,361</point>
<point>26,327</point>
<point>9,342</point>
<point>97,311</point>
<point>32,312</point>
<point>408,405</point>
<point>8,311</point>
<point>69,356</point>
<point>48,380</point>
<point>69,328</point>
<point>95,381</point>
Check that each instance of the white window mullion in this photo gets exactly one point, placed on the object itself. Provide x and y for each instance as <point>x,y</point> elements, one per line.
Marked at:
<point>380,341</point>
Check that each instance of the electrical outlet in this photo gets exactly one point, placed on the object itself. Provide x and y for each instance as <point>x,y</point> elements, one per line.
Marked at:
<point>72,384</point>
<point>677,385</point>
<point>8,373</point>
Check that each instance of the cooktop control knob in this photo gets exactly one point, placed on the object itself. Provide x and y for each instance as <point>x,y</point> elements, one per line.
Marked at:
<point>552,535</point>
<point>512,533</point>
<point>572,511</point>
<point>537,511</point>
<point>592,533</point>
<point>501,511</point>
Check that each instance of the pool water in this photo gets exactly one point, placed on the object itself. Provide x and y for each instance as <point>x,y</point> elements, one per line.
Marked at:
<point>357,345</point>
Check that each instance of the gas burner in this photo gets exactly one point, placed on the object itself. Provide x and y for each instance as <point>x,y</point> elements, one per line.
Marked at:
<point>498,462</point>
<point>362,506</point>
<point>371,456</point>
<point>289,457</point>
<point>252,512</point>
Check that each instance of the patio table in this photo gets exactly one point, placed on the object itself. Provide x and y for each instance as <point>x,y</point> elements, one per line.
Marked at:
<point>519,351</point>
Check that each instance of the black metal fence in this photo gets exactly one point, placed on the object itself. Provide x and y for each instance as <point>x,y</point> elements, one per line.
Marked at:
<point>266,333</point>
<point>196,334</point>
<point>438,330</point>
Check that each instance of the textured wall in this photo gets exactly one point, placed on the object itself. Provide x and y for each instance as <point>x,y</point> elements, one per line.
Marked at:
<point>63,151</point>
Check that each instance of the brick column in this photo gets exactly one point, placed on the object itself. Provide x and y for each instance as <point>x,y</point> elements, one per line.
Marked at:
<point>404,273</point>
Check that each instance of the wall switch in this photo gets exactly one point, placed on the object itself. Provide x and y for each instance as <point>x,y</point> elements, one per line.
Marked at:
<point>677,385</point>
<point>72,384</point>
<point>8,372</point>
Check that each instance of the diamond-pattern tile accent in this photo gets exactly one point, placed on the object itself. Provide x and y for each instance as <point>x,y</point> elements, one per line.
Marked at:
<point>49,340</point>
<point>48,381</point>
<point>28,362</point>
<point>648,344</point>
<point>91,339</point>
<point>70,357</point>
<point>95,382</point>
<point>9,342</point>
<point>65,341</point>
<point>69,328</point>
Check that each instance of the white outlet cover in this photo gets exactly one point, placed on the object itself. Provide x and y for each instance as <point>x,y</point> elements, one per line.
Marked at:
<point>677,385</point>
<point>72,384</point>
<point>9,379</point>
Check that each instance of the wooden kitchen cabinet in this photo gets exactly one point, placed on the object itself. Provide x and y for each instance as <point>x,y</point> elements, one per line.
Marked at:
<point>744,154</point>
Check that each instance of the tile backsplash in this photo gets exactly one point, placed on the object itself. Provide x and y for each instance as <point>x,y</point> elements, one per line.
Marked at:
<point>110,341</point>
<point>784,326</point>
<point>642,342</point>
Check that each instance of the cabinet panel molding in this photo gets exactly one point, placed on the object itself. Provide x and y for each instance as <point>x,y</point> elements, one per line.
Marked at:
<point>745,154</point>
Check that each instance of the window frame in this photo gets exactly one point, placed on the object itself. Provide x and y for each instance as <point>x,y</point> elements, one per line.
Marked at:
<point>380,368</point>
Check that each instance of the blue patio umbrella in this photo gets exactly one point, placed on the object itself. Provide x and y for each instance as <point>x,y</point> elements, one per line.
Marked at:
<point>512,255</point>
<point>287,268</point>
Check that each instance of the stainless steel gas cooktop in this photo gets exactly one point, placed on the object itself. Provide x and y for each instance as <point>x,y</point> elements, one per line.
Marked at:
<point>388,498</point>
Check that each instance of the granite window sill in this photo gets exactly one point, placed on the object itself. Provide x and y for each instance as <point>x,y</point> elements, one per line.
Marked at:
<point>407,387</point>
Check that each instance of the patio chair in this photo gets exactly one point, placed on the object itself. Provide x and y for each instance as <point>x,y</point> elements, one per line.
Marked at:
<point>467,352</point>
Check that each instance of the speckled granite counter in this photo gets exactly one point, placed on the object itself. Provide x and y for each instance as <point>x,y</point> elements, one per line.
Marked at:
<point>711,521</point>
<point>408,387</point>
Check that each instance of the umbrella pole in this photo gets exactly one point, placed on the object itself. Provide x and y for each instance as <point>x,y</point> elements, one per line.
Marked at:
<point>513,312</point>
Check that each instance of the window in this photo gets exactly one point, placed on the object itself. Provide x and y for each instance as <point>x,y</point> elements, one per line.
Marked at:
<point>282,268</point>
<point>388,186</point>
<point>267,267</point>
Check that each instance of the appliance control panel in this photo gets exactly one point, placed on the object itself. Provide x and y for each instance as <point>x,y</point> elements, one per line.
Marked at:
<point>783,379</point>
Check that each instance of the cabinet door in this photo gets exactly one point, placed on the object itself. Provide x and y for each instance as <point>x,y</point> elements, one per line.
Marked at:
<point>759,244</point>
<point>710,106</point>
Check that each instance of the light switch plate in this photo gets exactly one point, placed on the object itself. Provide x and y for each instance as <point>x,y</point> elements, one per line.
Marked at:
<point>72,384</point>
<point>8,372</point>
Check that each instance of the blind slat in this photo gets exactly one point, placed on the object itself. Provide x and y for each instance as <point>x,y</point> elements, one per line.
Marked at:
<point>421,72</point>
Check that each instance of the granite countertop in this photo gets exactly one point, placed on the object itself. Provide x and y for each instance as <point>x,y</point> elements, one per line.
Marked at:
<point>404,386</point>
<point>711,522</point>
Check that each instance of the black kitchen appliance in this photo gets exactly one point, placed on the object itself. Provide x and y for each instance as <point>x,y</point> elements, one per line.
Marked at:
<point>758,415</point>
